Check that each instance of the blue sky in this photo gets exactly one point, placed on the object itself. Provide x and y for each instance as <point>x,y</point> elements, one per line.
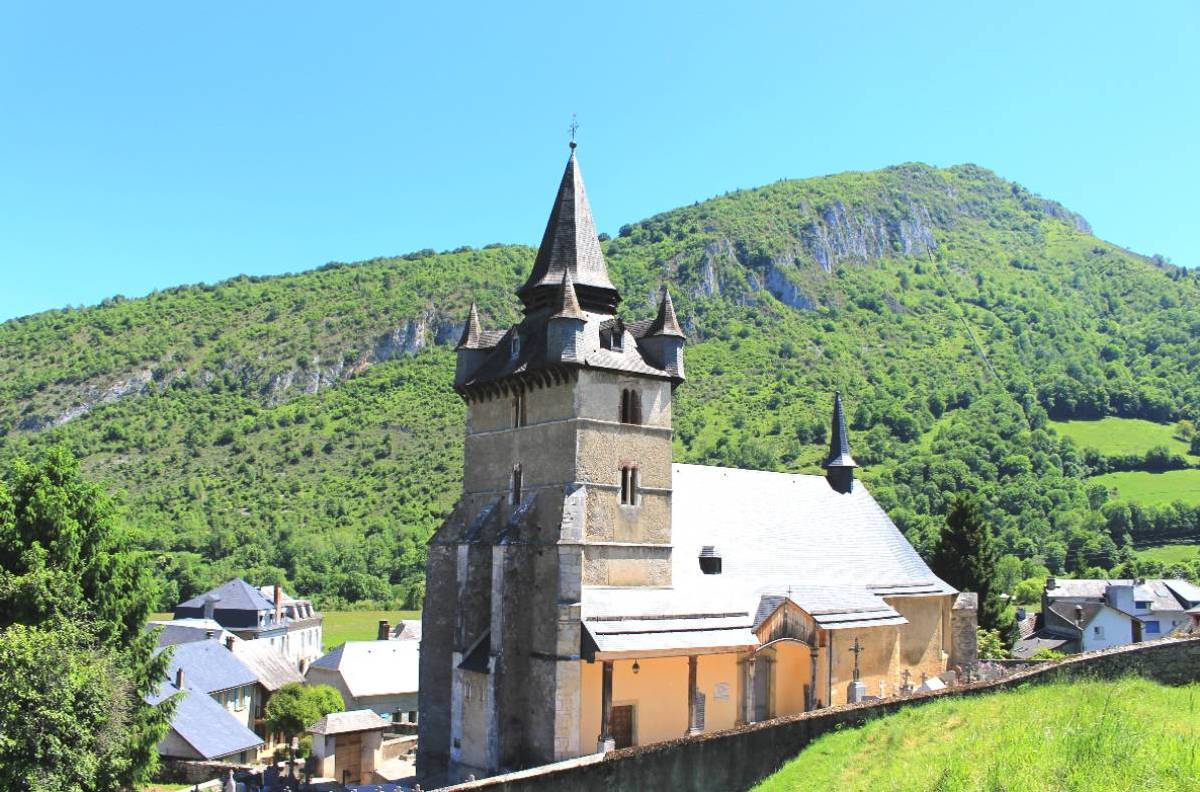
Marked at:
<point>143,145</point>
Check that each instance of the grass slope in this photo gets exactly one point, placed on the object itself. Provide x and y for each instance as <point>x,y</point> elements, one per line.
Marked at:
<point>1121,436</point>
<point>1082,736</point>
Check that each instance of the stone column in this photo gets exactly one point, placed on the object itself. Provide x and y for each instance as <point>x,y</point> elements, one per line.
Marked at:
<point>606,742</point>
<point>692,729</point>
<point>748,698</point>
<point>811,704</point>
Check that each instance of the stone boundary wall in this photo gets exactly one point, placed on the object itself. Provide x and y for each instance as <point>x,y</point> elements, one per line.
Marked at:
<point>738,758</point>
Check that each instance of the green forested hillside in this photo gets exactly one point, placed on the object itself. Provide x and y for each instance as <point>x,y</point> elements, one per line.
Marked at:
<point>303,427</point>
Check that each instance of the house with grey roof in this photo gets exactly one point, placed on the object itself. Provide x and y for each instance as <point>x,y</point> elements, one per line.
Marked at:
<point>1079,615</point>
<point>266,614</point>
<point>380,675</point>
<point>216,701</point>
<point>588,593</point>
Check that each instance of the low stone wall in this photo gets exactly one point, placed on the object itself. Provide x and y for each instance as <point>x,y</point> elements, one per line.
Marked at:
<point>739,758</point>
<point>394,747</point>
<point>184,771</point>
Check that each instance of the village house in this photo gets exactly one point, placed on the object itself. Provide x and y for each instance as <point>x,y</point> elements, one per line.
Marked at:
<point>586,593</point>
<point>349,746</point>
<point>290,625</point>
<point>380,675</point>
<point>214,715</point>
<point>1082,615</point>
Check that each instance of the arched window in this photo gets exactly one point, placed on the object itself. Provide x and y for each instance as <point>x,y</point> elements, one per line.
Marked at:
<point>629,486</point>
<point>518,405</point>
<point>631,406</point>
<point>514,494</point>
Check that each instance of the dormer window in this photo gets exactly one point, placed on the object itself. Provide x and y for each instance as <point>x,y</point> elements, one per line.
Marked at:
<point>629,486</point>
<point>631,406</point>
<point>613,336</point>
<point>514,493</point>
<point>710,560</point>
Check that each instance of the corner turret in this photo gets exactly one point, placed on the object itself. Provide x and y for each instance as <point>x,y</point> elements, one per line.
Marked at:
<point>663,340</point>
<point>564,331</point>
<point>470,349</point>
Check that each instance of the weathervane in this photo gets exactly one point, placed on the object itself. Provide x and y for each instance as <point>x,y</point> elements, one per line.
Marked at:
<point>573,128</point>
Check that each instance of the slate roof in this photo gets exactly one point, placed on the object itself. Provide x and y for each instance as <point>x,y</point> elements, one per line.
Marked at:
<point>269,666</point>
<point>780,529</point>
<point>570,243</point>
<point>1163,595</point>
<point>204,724</point>
<point>353,721</point>
<point>1027,647</point>
<point>665,323</point>
<point>235,594</point>
<point>208,666</point>
<point>374,668</point>
<point>179,631</point>
<point>780,536</point>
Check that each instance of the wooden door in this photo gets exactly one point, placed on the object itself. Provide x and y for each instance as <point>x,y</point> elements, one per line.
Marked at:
<point>622,725</point>
<point>347,758</point>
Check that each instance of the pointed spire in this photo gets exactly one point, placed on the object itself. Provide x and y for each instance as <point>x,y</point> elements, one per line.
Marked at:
<point>839,465</point>
<point>570,244</point>
<point>568,304</point>
<point>665,324</point>
<point>471,331</point>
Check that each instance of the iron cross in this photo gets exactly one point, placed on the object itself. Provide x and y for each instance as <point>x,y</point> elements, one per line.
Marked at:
<point>857,649</point>
<point>573,128</point>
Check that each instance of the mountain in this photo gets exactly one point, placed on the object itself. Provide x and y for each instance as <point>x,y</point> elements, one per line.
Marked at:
<point>303,428</point>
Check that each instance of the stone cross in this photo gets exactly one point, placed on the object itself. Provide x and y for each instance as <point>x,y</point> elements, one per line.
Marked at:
<point>907,678</point>
<point>857,650</point>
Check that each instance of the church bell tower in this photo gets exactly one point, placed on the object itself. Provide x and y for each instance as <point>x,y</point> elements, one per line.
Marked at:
<point>566,485</point>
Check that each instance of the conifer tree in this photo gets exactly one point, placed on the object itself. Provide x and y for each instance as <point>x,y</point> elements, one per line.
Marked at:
<point>965,557</point>
<point>74,601</point>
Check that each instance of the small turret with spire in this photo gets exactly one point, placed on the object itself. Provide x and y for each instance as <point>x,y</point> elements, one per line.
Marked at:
<point>839,465</point>
<point>564,332</point>
<point>470,349</point>
<point>663,340</point>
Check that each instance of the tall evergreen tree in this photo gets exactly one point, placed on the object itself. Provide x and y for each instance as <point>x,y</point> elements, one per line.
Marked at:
<point>65,570</point>
<point>965,557</point>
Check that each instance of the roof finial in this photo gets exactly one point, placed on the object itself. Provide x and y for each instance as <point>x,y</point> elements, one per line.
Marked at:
<point>573,128</point>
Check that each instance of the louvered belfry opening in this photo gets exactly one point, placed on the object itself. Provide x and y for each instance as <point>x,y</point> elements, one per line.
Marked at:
<point>710,560</point>
<point>631,406</point>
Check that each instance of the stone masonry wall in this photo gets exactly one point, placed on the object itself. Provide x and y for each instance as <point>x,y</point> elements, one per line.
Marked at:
<point>738,758</point>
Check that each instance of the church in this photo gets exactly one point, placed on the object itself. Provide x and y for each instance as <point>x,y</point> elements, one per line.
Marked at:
<point>587,594</point>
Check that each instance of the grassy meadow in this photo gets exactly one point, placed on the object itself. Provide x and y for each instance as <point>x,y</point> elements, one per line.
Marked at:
<point>1088,736</point>
<point>1154,489</point>
<point>1121,436</point>
<point>1170,554</point>
<point>342,626</point>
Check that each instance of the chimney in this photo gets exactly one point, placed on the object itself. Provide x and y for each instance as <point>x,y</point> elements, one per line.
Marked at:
<point>210,604</point>
<point>1021,614</point>
<point>1051,584</point>
<point>1079,616</point>
<point>210,633</point>
<point>179,677</point>
<point>385,630</point>
<point>278,603</point>
<point>229,639</point>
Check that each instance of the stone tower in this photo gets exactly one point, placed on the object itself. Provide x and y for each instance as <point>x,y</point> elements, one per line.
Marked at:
<point>566,485</point>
